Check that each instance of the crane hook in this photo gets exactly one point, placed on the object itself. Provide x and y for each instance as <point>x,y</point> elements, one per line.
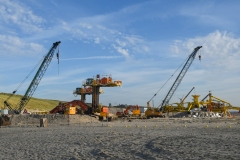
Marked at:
<point>58,59</point>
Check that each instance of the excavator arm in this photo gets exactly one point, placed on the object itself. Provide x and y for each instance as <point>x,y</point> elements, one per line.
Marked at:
<point>34,83</point>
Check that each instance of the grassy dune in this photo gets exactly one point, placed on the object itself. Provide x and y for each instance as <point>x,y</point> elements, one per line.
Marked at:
<point>34,104</point>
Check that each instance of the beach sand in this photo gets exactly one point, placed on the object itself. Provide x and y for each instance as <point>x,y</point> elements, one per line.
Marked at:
<point>159,138</point>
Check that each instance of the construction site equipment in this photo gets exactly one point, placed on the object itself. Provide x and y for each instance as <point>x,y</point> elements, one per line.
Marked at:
<point>70,110</point>
<point>130,111</point>
<point>215,104</point>
<point>104,114</point>
<point>179,78</point>
<point>73,107</point>
<point>151,112</point>
<point>179,107</point>
<point>212,105</point>
<point>83,91</point>
<point>34,83</point>
<point>182,101</point>
<point>96,83</point>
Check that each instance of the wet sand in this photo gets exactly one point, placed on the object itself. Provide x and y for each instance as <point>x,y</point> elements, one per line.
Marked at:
<point>184,138</point>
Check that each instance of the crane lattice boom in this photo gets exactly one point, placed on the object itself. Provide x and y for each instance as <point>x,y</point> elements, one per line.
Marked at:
<point>36,80</point>
<point>180,77</point>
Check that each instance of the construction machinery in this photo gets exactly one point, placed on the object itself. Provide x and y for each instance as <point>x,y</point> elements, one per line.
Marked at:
<point>34,83</point>
<point>96,83</point>
<point>153,113</point>
<point>179,107</point>
<point>215,104</point>
<point>92,86</point>
<point>5,120</point>
<point>212,105</point>
<point>158,112</point>
<point>104,114</point>
<point>72,107</point>
<point>130,111</point>
<point>83,91</point>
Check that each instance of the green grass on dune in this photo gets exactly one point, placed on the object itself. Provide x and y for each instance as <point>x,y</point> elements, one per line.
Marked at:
<point>35,104</point>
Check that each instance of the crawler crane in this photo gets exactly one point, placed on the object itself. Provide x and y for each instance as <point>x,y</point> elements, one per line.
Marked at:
<point>157,112</point>
<point>34,83</point>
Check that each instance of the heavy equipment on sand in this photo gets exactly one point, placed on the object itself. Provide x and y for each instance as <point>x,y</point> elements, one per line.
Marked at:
<point>34,83</point>
<point>158,112</point>
<point>92,86</point>
<point>213,104</point>
<point>72,107</point>
<point>130,111</point>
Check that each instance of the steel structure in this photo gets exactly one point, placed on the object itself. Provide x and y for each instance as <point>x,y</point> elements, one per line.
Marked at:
<point>34,83</point>
<point>179,78</point>
<point>96,83</point>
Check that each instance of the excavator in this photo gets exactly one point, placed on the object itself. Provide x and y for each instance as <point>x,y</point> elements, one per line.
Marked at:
<point>73,107</point>
<point>158,112</point>
<point>130,111</point>
<point>34,83</point>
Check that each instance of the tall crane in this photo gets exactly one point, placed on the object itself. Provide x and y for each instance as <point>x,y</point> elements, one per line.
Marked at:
<point>179,78</point>
<point>34,83</point>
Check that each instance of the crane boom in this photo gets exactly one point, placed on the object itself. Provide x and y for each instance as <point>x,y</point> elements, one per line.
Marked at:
<point>179,77</point>
<point>186,95</point>
<point>34,83</point>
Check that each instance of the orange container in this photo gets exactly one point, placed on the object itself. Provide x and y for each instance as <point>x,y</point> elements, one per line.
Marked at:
<point>70,110</point>
<point>105,109</point>
<point>104,80</point>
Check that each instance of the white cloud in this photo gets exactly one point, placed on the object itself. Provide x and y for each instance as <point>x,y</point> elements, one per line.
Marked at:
<point>97,40</point>
<point>85,25</point>
<point>95,57</point>
<point>174,49</point>
<point>221,49</point>
<point>121,43</point>
<point>121,50</point>
<point>15,13</point>
<point>12,45</point>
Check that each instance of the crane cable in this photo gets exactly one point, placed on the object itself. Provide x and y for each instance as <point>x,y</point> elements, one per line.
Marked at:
<point>31,73</point>
<point>168,80</point>
<point>24,79</point>
<point>58,58</point>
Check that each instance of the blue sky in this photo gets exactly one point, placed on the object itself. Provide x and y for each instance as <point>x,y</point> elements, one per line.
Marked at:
<point>141,42</point>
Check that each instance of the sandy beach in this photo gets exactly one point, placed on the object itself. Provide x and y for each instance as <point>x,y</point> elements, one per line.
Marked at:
<point>168,138</point>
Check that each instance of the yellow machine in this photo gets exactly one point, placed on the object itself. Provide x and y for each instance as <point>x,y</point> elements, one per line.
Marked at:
<point>130,111</point>
<point>70,110</point>
<point>136,112</point>
<point>104,114</point>
<point>153,112</point>
<point>213,104</point>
